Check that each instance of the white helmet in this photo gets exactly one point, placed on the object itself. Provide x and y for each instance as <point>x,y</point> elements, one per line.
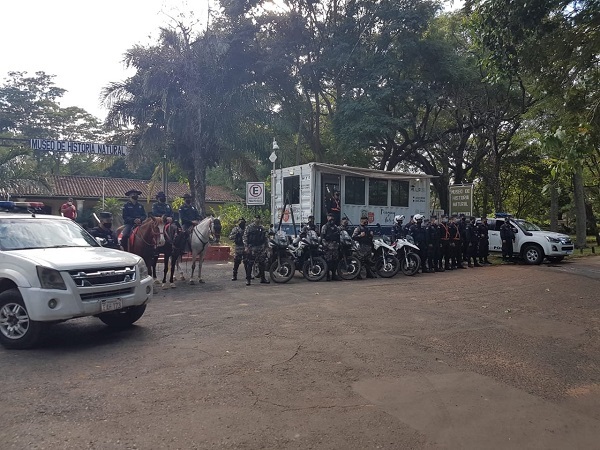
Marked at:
<point>399,218</point>
<point>418,217</point>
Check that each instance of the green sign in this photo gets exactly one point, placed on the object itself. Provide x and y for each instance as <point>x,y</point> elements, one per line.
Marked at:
<point>461,199</point>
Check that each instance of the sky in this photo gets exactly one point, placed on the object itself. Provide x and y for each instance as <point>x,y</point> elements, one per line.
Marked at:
<point>82,42</point>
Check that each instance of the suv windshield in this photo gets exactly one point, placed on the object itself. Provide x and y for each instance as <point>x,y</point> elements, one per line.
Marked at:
<point>527,226</point>
<point>29,233</point>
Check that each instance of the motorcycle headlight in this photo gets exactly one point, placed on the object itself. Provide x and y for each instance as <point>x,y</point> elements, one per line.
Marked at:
<point>143,269</point>
<point>50,278</point>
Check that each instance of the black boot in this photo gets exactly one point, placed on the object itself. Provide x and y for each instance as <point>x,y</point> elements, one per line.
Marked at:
<point>234,277</point>
<point>248,282</point>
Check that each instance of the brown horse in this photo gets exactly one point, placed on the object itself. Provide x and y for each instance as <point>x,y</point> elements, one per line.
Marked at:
<point>146,238</point>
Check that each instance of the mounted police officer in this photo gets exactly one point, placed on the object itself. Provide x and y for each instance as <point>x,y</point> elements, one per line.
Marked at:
<point>398,230</point>
<point>484,241</point>
<point>104,230</point>
<point>507,236</point>
<point>161,208</point>
<point>133,214</point>
<point>364,237</point>
<point>473,243</point>
<point>419,235</point>
<point>188,214</point>
<point>330,233</point>
<point>255,248</point>
<point>237,236</point>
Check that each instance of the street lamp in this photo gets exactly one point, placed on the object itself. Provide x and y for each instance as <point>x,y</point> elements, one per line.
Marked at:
<point>273,158</point>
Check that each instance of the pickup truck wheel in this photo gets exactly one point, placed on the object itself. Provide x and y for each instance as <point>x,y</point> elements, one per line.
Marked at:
<point>17,330</point>
<point>533,254</point>
<point>123,318</point>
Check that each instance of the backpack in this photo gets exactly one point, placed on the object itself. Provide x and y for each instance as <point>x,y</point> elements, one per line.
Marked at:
<point>256,236</point>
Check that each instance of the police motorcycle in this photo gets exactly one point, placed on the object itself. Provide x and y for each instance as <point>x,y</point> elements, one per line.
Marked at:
<point>308,256</point>
<point>386,263</point>
<point>281,263</point>
<point>405,252</point>
<point>349,266</point>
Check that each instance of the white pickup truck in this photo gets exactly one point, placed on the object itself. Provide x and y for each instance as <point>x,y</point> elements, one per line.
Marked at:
<point>531,242</point>
<point>52,270</point>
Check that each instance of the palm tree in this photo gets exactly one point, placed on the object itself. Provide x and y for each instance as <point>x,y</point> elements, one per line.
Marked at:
<point>193,97</point>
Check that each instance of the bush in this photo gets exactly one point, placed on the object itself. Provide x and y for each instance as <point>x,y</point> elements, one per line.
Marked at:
<point>230,215</point>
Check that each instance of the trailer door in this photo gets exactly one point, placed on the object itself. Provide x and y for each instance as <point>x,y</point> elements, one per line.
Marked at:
<point>329,184</point>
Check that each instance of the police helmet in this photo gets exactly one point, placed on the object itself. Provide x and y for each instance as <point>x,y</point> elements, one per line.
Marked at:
<point>399,218</point>
<point>418,217</point>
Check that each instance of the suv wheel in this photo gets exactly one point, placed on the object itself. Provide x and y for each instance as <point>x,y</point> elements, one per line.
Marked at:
<point>17,330</point>
<point>533,254</point>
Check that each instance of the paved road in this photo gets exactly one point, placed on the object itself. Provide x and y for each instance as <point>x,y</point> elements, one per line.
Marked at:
<point>499,357</point>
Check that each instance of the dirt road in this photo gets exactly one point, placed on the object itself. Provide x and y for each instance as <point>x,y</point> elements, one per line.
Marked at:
<point>498,357</point>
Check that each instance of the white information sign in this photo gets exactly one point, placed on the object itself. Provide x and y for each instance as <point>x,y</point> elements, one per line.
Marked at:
<point>255,193</point>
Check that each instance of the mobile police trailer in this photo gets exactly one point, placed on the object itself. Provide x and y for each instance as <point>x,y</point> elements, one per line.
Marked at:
<point>380,195</point>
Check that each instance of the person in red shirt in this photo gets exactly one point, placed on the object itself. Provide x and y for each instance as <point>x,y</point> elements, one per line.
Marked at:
<point>69,210</point>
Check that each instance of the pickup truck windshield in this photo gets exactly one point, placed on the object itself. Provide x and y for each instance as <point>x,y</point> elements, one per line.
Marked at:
<point>527,226</point>
<point>30,233</point>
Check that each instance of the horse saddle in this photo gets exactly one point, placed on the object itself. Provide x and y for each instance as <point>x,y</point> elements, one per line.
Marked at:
<point>134,232</point>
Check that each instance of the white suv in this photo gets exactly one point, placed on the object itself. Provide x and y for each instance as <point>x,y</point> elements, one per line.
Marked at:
<point>52,270</point>
<point>531,242</point>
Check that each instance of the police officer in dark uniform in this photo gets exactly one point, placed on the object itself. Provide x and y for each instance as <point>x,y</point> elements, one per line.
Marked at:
<point>455,244</point>
<point>188,214</point>
<point>419,235</point>
<point>330,233</point>
<point>433,245</point>
<point>484,241</point>
<point>161,208</point>
<point>237,236</point>
<point>364,237</point>
<point>104,230</point>
<point>189,218</point>
<point>507,236</point>
<point>462,228</point>
<point>310,226</point>
<point>255,248</point>
<point>398,230</point>
<point>473,243</point>
<point>133,214</point>
<point>445,241</point>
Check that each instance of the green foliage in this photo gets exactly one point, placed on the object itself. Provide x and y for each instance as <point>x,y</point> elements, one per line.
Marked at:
<point>231,213</point>
<point>112,205</point>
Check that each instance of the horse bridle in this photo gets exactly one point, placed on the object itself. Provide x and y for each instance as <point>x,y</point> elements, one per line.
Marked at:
<point>154,234</point>
<point>200,235</point>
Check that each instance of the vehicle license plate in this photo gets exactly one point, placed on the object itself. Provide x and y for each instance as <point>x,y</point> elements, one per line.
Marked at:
<point>111,305</point>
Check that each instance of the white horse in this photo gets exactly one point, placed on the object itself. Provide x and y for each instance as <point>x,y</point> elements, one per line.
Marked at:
<point>200,237</point>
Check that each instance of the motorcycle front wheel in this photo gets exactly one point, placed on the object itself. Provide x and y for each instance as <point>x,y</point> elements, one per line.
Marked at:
<point>315,271</point>
<point>410,264</point>
<point>387,268</point>
<point>349,268</point>
<point>282,271</point>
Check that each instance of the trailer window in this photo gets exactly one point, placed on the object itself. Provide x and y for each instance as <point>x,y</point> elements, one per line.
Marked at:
<point>291,189</point>
<point>378,192</point>
<point>399,193</point>
<point>354,194</point>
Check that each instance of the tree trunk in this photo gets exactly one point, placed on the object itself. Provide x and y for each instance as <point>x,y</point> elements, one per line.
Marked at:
<point>198,183</point>
<point>553,206</point>
<point>580,215</point>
